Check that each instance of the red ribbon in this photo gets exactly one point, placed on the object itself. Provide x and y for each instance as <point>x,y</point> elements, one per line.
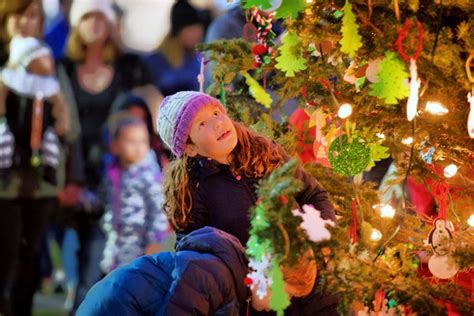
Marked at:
<point>353,225</point>
<point>402,34</point>
<point>440,193</point>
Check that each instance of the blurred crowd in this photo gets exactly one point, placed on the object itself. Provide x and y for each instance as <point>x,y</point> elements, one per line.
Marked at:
<point>80,161</point>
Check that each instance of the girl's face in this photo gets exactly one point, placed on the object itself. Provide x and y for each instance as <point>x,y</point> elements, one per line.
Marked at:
<point>131,145</point>
<point>93,28</point>
<point>212,135</point>
<point>29,22</point>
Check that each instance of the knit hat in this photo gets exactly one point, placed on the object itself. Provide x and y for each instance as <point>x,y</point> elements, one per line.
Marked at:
<point>176,114</point>
<point>183,14</point>
<point>23,50</point>
<point>79,8</point>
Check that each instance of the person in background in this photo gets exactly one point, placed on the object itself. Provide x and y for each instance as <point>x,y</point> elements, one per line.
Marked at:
<point>137,107</point>
<point>205,276</point>
<point>93,73</point>
<point>175,66</point>
<point>134,222</point>
<point>27,195</point>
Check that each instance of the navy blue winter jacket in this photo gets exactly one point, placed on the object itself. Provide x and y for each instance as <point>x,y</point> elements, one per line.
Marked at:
<point>221,200</point>
<point>204,277</point>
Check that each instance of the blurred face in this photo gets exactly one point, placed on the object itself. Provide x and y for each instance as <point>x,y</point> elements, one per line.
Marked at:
<point>213,135</point>
<point>191,35</point>
<point>30,22</point>
<point>93,28</point>
<point>131,145</point>
<point>137,112</point>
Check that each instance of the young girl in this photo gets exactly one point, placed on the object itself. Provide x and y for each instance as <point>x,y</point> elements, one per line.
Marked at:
<point>219,162</point>
<point>133,219</point>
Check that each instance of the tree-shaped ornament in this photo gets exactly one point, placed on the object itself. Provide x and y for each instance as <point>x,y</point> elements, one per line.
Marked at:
<point>351,40</point>
<point>289,60</point>
<point>391,80</point>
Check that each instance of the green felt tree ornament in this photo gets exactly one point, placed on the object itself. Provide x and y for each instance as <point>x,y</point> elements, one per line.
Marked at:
<point>351,40</point>
<point>391,85</point>
<point>279,298</point>
<point>290,9</point>
<point>290,61</point>
<point>261,4</point>
<point>377,153</point>
<point>257,91</point>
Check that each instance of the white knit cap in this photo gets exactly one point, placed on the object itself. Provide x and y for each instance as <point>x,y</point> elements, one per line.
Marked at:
<point>25,49</point>
<point>79,8</point>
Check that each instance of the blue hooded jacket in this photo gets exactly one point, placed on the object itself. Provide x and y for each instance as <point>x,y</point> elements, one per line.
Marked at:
<point>203,277</point>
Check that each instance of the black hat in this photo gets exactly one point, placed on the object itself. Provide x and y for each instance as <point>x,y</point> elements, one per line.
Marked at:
<point>183,14</point>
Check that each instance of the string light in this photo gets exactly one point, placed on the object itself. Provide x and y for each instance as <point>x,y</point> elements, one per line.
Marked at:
<point>345,110</point>
<point>436,108</point>
<point>375,235</point>
<point>407,140</point>
<point>387,211</point>
<point>470,220</point>
<point>450,171</point>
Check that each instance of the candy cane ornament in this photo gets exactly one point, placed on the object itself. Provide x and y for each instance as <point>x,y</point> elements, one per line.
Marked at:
<point>263,49</point>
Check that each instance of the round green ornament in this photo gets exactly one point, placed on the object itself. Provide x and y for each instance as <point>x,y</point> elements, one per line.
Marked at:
<point>347,158</point>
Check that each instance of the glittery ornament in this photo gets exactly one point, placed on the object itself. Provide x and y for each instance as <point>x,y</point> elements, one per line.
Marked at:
<point>349,158</point>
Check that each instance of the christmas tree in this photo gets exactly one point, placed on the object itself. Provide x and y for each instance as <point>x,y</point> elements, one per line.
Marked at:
<point>372,79</point>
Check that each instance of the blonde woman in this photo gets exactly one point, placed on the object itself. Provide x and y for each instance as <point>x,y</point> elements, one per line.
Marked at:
<point>93,74</point>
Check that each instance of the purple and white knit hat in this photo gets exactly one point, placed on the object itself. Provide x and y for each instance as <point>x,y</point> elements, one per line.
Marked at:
<point>176,114</point>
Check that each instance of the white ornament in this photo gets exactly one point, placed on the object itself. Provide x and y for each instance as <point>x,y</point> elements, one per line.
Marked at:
<point>442,267</point>
<point>258,275</point>
<point>440,237</point>
<point>470,118</point>
<point>441,264</point>
<point>415,82</point>
<point>313,224</point>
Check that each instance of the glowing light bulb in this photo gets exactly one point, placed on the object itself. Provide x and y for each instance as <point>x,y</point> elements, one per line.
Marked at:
<point>345,110</point>
<point>470,220</point>
<point>407,140</point>
<point>380,135</point>
<point>450,171</point>
<point>387,211</point>
<point>375,235</point>
<point>309,1</point>
<point>436,108</point>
